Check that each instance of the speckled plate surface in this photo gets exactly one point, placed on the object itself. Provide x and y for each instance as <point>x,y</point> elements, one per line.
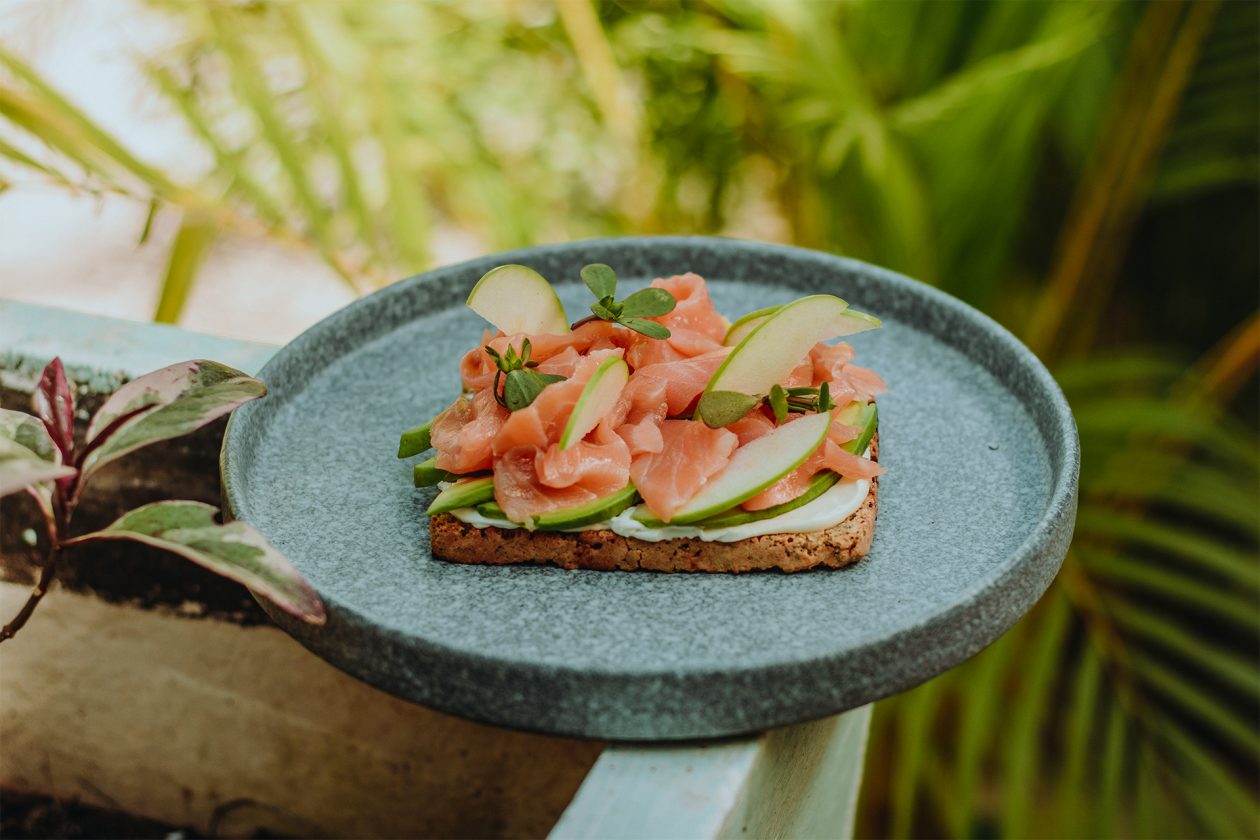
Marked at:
<point>975,515</point>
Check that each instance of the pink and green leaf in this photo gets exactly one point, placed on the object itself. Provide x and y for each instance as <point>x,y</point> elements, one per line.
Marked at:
<point>20,468</point>
<point>235,550</point>
<point>164,404</point>
<point>31,434</point>
<point>54,403</point>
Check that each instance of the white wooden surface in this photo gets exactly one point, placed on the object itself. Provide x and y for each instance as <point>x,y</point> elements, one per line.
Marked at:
<point>799,781</point>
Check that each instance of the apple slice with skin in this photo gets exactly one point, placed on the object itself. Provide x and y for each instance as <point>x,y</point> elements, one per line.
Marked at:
<point>755,466</point>
<point>739,330</point>
<point>517,299</point>
<point>766,356</point>
<point>597,399</point>
<point>855,322</point>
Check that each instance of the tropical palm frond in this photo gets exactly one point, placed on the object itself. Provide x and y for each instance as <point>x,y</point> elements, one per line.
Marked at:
<point>1213,144</point>
<point>1138,675</point>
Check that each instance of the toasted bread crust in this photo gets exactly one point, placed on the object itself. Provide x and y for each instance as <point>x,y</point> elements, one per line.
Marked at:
<point>835,547</point>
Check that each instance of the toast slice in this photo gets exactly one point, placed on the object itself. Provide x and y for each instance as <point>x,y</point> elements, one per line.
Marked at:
<point>835,547</point>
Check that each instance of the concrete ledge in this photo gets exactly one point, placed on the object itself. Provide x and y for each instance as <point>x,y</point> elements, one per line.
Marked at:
<point>207,723</point>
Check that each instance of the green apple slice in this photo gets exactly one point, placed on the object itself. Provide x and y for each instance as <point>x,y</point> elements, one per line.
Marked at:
<point>468,492</point>
<point>866,417</point>
<point>854,322</point>
<point>578,516</point>
<point>597,399</point>
<point>768,354</point>
<point>755,466</point>
<point>819,484</point>
<point>739,330</point>
<point>516,299</point>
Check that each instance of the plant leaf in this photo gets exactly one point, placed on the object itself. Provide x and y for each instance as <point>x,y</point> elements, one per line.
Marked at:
<point>30,432</point>
<point>164,404</point>
<point>778,403</point>
<point>54,403</point>
<point>600,279</point>
<point>603,312</point>
<point>648,303</point>
<point>524,386</point>
<point>20,467</point>
<point>192,243</point>
<point>722,408</point>
<point>649,328</point>
<point>235,551</point>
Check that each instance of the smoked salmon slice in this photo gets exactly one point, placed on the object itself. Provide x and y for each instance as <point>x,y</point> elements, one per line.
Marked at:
<point>695,326</point>
<point>529,481</point>
<point>692,454</point>
<point>463,434</point>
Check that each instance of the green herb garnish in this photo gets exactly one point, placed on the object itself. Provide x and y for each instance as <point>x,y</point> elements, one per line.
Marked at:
<point>782,400</point>
<point>523,385</point>
<point>722,408</point>
<point>633,312</point>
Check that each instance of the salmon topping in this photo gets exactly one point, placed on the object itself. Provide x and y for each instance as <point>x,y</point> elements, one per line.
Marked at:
<point>647,437</point>
<point>692,454</point>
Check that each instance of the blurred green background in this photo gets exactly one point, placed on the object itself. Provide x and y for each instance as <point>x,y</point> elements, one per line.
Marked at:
<point>1087,173</point>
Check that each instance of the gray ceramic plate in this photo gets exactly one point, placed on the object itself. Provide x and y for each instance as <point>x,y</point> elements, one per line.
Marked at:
<point>975,515</point>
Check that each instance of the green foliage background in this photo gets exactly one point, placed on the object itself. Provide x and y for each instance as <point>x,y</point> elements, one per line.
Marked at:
<point>1084,172</point>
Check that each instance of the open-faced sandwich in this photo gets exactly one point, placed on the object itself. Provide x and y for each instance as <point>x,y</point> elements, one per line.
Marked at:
<point>653,433</point>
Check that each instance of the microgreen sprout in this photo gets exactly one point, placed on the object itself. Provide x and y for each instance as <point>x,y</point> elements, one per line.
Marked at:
<point>722,408</point>
<point>523,384</point>
<point>633,312</point>
<point>783,401</point>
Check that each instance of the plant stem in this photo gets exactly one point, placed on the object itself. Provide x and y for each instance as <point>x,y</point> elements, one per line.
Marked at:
<point>52,554</point>
<point>588,319</point>
<point>45,580</point>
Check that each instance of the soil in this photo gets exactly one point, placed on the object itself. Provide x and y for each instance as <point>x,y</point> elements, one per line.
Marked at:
<point>30,815</point>
<point>27,815</point>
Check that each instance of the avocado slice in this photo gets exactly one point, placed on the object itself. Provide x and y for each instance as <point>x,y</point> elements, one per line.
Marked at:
<point>414,441</point>
<point>491,510</point>
<point>427,474</point>
<point>593,511</point>
<point>467,492</point>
